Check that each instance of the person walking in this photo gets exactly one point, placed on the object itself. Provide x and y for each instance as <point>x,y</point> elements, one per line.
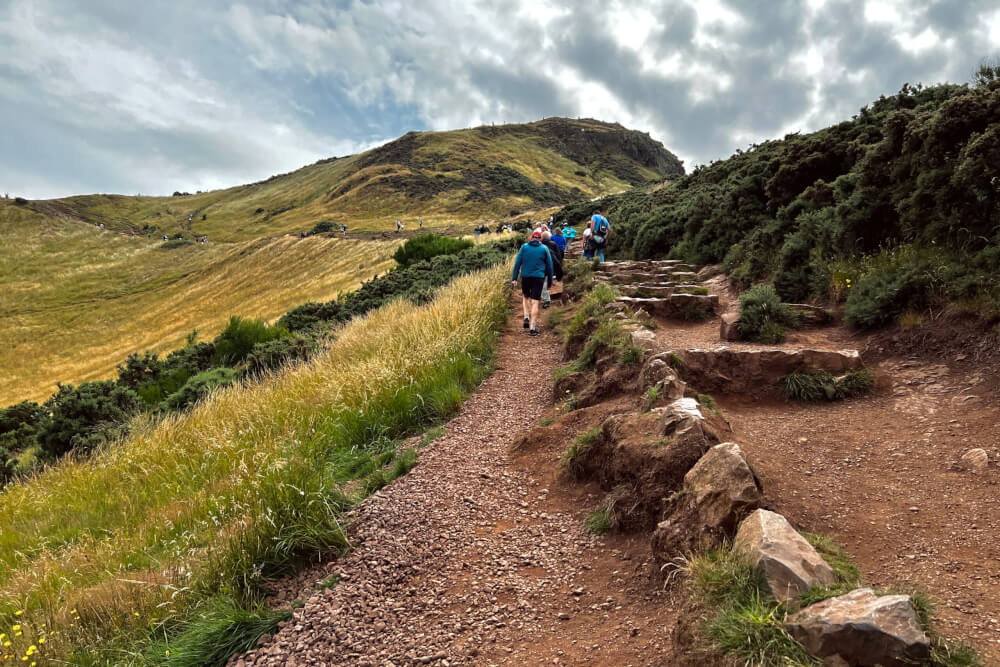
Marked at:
<point>600,228</point>
<point>588,248</point>
<point>557,268</point>
<point>534,264</point>
<point>421,223</point>
<point>559,240</point>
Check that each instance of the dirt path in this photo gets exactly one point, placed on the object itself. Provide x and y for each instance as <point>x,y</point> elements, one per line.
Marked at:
<point>477,558</point>
<point>878,473</point>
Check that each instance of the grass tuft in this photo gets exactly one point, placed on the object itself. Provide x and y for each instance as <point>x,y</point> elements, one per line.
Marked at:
<point>576,452</point>
<point>598,522</point>
<point>823,386</point>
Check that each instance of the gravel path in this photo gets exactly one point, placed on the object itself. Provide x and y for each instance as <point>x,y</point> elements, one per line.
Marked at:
<point>473,558</point>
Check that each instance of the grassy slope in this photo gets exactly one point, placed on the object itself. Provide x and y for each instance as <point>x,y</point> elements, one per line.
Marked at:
<point>74,301</point>
<point>433,175</point>
<point>106,550</point>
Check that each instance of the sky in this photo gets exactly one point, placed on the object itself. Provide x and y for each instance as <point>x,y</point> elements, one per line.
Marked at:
<point>162,95</point>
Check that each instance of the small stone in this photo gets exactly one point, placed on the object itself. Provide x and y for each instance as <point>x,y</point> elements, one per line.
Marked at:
<point>975,460</point>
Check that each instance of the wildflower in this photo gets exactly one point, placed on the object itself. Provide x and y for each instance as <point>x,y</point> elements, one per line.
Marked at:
<point>136,613</point>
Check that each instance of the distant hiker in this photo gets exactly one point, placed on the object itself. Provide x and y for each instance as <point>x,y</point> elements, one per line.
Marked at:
<point>559,239</point>
<point>304,234</point>
<point>534,263</point>
<point>101,226</point>
<point>421,223</point>
<point>551,219</point>
<point>343,229</point>
<point>399,226</point>
<point>477,232</point>
<point>569,233</point>
<point>557,269</point>
<point>600,228</point>
<point>588,247</point>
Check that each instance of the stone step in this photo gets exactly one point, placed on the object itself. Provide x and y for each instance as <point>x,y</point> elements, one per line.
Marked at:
<point>675,306</point>
<point>658,277</point>
<point>757,372</point>
<point>657,289</point>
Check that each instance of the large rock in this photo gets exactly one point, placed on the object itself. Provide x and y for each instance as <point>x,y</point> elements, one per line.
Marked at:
<point>729,330</point>
<point>657,370</point>
<point>718,492</point>
<point>787,563</point>
<point>730,371</point>
<point>684,420</point>
<point>862,628</point>
<point>643,338</point>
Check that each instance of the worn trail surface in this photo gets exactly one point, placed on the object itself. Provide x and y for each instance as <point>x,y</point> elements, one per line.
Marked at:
<point>477,558</point>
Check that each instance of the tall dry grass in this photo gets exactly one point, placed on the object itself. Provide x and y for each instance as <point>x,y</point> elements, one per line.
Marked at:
<point>74,301</point>
<point>108,551</point>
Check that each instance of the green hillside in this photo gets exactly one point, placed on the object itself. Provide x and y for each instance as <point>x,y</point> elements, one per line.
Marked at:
<point>893,211</point>
<point>442,177</point>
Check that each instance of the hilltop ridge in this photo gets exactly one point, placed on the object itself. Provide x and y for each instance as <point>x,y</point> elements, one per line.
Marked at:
<point>442,177</point>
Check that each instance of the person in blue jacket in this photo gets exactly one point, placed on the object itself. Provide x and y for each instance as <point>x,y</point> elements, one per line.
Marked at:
<point>559,239</point>
<point>534,263</point>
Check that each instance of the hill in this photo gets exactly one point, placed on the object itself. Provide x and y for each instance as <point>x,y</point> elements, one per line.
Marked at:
<point>442,177</point>
<point>894,210</point>
<point>76,301</point>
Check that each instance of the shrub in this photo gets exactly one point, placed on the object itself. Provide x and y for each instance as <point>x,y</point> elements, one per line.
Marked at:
<point>85,416</point>
<point>426,246</point>
<point>199,386</point>
<point>763,317</point>
<point>20,424</point>
<point>598,522</point>
<point>139,370</point>
<point>20,201</point>
<point>323,227</point>
<point>273,354</point>
<point>240,336</point>
<point>573,457</point>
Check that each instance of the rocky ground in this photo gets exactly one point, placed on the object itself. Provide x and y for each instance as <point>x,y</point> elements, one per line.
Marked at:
<point>478,556</point>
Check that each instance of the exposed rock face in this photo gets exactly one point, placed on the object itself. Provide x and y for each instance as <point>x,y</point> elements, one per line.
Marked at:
<point>729,330</point>
<point>975,460</point>
<point>786,562</point>
<point>710,271</point>
<point>861,628</point>
<point>758,371</point>
<point>644,338</point>
<point>718,492</point>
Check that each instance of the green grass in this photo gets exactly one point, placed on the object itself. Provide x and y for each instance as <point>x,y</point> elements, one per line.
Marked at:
<point>652,395</point>
<point>430,435</point>
<point>708,403</point>
<point>823,386</point>
<point>577,450</point>
<point>329,582</point>
<point>221,628</point>
<point>562,372</point>
<point>545,421</point>
<point>598,522</point>
<point>245,487</point>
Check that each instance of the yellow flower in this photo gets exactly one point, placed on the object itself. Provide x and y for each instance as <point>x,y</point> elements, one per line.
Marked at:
<point>72,611</point>
<point>16,628</point>
<point>136,613</point>
<point>7,643</point>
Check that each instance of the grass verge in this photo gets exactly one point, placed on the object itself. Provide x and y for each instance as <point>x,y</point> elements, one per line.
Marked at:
<point>134,542</point>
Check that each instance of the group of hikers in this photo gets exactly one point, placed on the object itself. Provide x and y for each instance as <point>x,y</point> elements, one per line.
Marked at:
<point>540,262</point>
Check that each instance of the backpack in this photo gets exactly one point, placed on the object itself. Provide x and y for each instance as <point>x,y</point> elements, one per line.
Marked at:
<point>600,235</point>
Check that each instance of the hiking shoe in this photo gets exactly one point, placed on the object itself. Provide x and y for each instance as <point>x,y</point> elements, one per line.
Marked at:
<point>527,322</point>
<point>534,332</point>
<point>546,305</point>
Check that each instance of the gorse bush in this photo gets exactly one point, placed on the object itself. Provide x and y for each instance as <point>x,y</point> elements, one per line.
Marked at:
<point>763,317</point>
<point>243,486</point>
<point>427,246</point>
<point>901,172</point>
<point>199,386</point>
<point>86,416</point>
<point>240,336</point>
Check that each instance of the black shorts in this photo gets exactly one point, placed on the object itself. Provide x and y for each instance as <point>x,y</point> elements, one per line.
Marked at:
<point>532,287</point>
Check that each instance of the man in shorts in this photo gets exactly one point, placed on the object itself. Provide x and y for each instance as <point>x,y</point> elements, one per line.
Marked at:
<point>534,264</point>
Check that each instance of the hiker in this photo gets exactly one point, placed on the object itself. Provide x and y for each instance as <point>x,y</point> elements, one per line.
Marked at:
<point>420,222</point>
<point>599,230</point>
<point>343,229</point>
<point>399,226</point>
<point>101,226</point>
<point>588,248</point>
<point>477,231</point>
<point>557,268</point>
<point>534,263</point>
<point>559,240</point>
<point>569,233</point>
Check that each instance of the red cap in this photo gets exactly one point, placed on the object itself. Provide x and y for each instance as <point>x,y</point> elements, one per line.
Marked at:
<point>536,234</point>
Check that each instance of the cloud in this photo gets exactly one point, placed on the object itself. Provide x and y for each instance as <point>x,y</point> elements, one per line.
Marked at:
<point>101,96</point>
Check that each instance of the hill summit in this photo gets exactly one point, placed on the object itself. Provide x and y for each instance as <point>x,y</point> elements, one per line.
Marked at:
<point>445,177</point>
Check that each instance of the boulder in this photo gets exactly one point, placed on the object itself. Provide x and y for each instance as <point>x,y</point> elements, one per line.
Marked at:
<point>787,564</point>
<point>975,460</point>
<point>729,330</point>
<point>643,338</point>
<point>718,492</point>
<point>657,370</point>
<point>862,628</point>
<point>726,370</point>
<point>685,421</point>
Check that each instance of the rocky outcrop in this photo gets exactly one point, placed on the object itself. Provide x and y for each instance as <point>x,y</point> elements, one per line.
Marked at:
<point>786,563</point>
<point>755,372</point>
<point>643,458</point>
<point>718,492</point>
<point>657,371</point>
<point>862,628</point>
